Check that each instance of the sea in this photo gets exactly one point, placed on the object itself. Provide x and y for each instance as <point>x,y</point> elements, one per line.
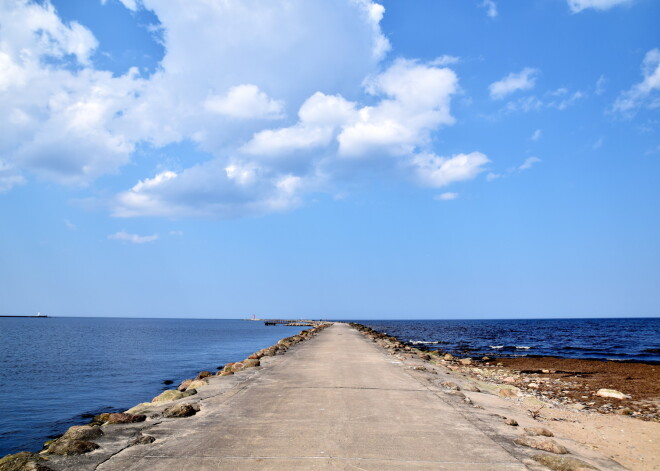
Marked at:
<point>57,372</point>
<point>632,339</point>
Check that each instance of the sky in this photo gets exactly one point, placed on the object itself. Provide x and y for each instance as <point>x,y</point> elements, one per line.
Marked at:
<point>330,158</point>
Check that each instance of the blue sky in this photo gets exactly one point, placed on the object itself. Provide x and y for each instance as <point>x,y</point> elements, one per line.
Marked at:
<point>340,159</point>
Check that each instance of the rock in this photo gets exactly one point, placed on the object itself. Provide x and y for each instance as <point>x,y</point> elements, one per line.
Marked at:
<point>533,385</point>
<point>485,358</point>
<point>448,357</point>
<point>507,392</point>
<point>539,431</point>
<point>143,440</point>
<point>251,363</point>
<point>577,406</point>
<point>100,419</point>
<point>136,409</point>
<point>544,444</point>
<point>465,361</point>
<point>419,368</point>
<point>82,432</point>
<point>181,410</point>
<point>509,380</point>
<point>228,367</point>
<point>125,418</point>
<point>203,374</point>
<point>451,392</point>
<point>168,382</point>
<point>71,447</point>
<point>562,463</point>
<point>198,383</point>
<point>184,384</point>
<point>471,388</point>
<point>189,392</point>
<point>236,367</point>
<point>23,461</point>
<point>612,393</point>
<point>169,395</point>
<point>450,385</point>
<point>624,411</point>
<point>512,422</point>
<point>226,373</point>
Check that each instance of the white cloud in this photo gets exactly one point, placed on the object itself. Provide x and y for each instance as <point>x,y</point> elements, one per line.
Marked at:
<point>416,101</point>
<point>435,171</point>
<point>133,238</point>
<point>444,60</point>
<point>491,8</point>
<point>563,98</point>
<point>69,225</point>
<point>245,101</point>
<point>536,135</point>
<point>493,176</point>
<point>577,6</point>
<point>65,121</point>
<point>448,196</point>
<point>527,164</point>
<point>644,93</point>
<point>523,80</point>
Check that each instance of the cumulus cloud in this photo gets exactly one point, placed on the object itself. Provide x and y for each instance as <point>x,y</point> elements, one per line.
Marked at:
<point>644,93</point>
<point>245,101</point>
<point>133,238</point>
<point>491,8</point>
<point>523,80</point>
<point>67,122</point>
<point>577,6</point>
<point>435,171</point>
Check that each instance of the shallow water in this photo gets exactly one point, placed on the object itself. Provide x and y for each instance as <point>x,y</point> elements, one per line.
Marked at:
<point>56,372</point>
<point>634,339</point>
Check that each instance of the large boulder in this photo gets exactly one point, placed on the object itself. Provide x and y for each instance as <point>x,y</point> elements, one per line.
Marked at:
<point>612,393</point>
<point>562,463</point>
<point>184,384</point>
<point>181,410</point>
<point>82,432</point>
<point>251,363</point>
<point>123,418</point>
<point>198,383</point>
<point>203,374</point>
<point>71,447</point>
<point>545,444</point>
<point>169,395</point>
<point>23,461</point>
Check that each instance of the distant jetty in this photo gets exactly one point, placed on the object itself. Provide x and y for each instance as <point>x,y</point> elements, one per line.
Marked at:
<point>38,315</point>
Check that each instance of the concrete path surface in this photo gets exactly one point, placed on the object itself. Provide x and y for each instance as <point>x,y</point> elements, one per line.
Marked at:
<point>336,401</point>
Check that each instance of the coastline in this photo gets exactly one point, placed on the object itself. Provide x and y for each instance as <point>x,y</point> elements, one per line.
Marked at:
<point>72,449</point>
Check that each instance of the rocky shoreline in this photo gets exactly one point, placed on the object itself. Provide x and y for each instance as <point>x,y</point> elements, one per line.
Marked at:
<point>611,407</point>
<point>113,432</point>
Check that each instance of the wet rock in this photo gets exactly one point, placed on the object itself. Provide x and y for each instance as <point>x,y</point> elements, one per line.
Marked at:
<point>450,385</point>
<point>203,374</point>
<point>562,463</point>
<point>512,422</point>
<point>71,447</point>
<point>544,444</point>
<point>23,461</point>
<point>168,382</point>
<point>82,432</point>
<point>184,384</point>
<point>198,383</point>
<point>143,439</point>
<point>169,395</point>
<point>612,393</point>
<point>538,431</point>
<point>181,410</point>
<point>251,363</point>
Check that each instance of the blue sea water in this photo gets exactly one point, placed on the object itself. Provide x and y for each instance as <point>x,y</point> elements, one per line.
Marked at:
<point>635,339</point>
<point>57,372</point>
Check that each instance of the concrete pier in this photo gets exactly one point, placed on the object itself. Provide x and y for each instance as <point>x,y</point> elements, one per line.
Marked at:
<point>336,401</point>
